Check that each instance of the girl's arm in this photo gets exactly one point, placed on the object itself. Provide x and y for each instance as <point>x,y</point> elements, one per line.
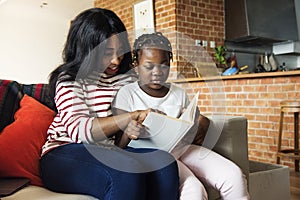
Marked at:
<point>203,124</point>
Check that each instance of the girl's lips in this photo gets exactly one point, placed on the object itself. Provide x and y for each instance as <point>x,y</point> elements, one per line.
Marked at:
<point>157,81</point>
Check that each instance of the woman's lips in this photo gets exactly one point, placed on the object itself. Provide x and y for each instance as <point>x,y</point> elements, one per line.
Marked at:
<point>113,69</point>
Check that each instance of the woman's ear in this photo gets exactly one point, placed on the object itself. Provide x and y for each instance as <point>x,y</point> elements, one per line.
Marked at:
<point>135,67</point>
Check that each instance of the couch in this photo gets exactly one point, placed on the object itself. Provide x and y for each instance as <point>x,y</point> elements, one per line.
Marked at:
<point>227,135</point>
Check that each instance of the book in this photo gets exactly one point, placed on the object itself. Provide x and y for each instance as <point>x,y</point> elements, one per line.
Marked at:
<point>165,132</point>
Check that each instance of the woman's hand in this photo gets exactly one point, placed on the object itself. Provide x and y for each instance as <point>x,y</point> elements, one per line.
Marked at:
<point>135,127</point>
<point>134,130</point>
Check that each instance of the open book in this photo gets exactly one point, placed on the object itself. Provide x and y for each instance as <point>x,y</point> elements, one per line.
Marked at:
<point>165,132</point>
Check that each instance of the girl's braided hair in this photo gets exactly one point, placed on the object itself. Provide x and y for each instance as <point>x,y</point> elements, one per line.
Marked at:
<point>156,40</point>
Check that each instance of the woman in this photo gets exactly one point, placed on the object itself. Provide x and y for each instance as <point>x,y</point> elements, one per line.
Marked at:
<point>79,155</point>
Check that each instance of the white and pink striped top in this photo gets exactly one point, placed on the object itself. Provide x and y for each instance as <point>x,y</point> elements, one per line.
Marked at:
<point>78,103</point>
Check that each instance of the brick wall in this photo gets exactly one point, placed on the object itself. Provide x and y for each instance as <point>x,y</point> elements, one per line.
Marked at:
<point>202,20</point>
<point>194,19</point>
<point>258,100</point>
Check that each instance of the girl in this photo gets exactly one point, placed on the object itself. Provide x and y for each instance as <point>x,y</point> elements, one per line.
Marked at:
<point>151,55</point>
<point>79,156</point>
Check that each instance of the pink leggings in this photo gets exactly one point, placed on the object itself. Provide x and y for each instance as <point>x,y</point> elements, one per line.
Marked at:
<point>213,170</point>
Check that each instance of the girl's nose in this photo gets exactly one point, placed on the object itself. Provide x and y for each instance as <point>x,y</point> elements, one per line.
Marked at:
<point>156,70</point>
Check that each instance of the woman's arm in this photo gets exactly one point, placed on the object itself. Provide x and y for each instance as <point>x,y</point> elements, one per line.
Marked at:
<point>105,127</point>
<point>75,102</point>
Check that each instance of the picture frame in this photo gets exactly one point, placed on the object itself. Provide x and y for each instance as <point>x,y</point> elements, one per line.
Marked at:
<point>143,13</point>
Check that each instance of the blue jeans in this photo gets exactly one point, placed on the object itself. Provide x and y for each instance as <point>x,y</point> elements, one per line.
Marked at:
<point>95,170</point>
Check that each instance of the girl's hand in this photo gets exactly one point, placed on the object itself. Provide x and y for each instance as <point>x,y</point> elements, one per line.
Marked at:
<point>134,130</point>
<point>158,111</point>
<point>140,115</point>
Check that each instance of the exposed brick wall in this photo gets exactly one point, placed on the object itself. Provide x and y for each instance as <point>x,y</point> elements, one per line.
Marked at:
<point>258,100</point>
<point>164,11</point>
<point>203,20</point>
<point>196,19</point>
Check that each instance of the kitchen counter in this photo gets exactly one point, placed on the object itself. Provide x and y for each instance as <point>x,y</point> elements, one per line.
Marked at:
<point>241,76</point>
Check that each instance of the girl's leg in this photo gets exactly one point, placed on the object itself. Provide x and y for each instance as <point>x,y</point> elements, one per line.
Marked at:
<point>216,171</point>
<point>162,176</point>
<point>73,169</point>
<point>190,187</point>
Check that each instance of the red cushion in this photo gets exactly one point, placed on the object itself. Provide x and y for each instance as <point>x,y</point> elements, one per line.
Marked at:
<point>21,141</point>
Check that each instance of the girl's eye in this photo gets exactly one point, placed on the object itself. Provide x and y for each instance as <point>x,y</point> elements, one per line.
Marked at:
<point>165,66</point>
<point>149,67</point>
<point>161,66</point>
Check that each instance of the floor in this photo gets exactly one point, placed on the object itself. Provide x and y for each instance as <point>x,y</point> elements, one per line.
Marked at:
<point>295,185</point>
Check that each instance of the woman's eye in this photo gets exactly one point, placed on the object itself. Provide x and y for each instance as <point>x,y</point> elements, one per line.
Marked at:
<point>108,53</point>
<point>121,52</point>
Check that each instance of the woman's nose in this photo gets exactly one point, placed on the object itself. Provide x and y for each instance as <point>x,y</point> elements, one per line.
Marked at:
<point>116,60</point>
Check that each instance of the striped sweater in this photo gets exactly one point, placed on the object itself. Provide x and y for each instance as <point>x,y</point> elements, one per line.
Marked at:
<point>78,103</point>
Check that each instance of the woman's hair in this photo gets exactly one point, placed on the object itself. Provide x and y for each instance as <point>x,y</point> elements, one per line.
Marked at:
<point>156,40</point>
<point>89,30</point>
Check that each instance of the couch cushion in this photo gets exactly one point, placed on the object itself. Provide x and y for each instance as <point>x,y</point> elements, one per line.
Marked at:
<point>21,141</point>
<point>10,96</point>
<point>11,92</point>
<point>40,92</point>
<point>39,193</point>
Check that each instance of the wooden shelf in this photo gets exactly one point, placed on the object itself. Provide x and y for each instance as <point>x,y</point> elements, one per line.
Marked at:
<point>240,76</point>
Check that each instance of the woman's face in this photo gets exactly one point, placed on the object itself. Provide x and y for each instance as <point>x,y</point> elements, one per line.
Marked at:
<point>153,68</point>
<point>113,55</point>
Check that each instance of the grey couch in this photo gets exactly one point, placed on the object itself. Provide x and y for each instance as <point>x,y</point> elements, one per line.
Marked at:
<point>227,135</point>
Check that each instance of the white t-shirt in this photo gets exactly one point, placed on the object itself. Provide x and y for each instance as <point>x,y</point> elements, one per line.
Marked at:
<point>131,97</point>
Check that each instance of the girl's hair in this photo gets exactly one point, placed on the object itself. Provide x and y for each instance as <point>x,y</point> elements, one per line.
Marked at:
<point>90,29</point>
<point>156,40</point>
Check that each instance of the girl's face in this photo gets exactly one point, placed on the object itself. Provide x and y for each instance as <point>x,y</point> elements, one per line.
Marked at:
<point>153,68</point>
<point>113,55</point>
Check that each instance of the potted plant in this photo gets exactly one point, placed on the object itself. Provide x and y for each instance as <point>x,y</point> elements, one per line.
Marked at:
<point>220,57</point>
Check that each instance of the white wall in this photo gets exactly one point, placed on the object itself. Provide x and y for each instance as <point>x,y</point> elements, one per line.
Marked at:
<point>32,36</point>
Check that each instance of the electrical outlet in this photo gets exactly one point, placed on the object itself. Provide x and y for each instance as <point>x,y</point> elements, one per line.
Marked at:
<point>197,42</point>
<point>212,44</point>
<point>204,43</point>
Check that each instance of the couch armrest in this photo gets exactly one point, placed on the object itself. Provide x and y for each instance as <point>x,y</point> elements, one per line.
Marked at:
<point>228,136</point>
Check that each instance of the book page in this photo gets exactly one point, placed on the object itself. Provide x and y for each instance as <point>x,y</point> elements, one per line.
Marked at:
<point>164,132</point>
<point>189,113</point>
